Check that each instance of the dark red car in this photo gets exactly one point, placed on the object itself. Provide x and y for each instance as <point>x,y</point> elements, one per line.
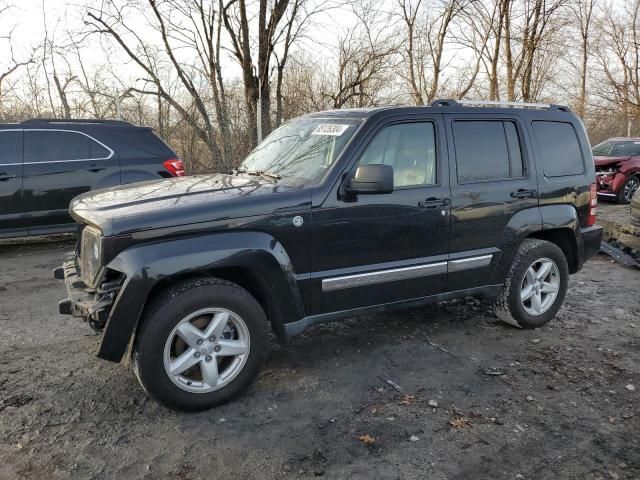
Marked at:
<point>618,168</point>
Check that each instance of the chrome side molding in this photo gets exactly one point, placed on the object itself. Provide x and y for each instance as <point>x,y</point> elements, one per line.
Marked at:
<point>404,273</point>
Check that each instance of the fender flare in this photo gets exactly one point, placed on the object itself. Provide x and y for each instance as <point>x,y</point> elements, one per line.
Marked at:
<point>146,265</point>
<point>531,221</point>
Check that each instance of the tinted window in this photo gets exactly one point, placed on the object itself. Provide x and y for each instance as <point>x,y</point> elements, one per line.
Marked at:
<point>561,154</point>
<point>617,149</point>
<point>487,150</point>
<point>410,148</point>
<point>47,146</point>
<point>9,147</point>
<point>141,142</point>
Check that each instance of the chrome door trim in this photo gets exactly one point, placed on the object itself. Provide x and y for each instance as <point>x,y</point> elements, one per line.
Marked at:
<point>383,276</point>
<point>405,273</point>
<point>469,263</point>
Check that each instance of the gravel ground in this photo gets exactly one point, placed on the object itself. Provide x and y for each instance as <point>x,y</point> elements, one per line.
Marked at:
<point>444,392</point>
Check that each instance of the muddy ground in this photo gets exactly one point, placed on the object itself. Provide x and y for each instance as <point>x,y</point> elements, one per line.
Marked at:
<point>559,402</point>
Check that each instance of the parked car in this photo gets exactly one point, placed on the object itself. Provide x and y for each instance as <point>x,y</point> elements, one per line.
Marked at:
<point>334,214</point>
<point>44,164</point>
<point>618,168</point>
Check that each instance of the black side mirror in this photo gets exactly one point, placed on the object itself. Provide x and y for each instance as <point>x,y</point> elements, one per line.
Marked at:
<point>371,179</point>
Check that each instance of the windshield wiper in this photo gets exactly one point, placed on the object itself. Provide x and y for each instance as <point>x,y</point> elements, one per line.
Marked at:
<point>273,177</point>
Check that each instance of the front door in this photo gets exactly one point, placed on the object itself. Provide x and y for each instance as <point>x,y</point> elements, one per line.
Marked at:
<point>59,165</point>
<point>12,222</point>
<point>383,248</point>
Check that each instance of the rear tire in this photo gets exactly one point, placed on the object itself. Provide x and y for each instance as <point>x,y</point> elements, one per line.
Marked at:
<point>535,286</point>
<point>201,343</point>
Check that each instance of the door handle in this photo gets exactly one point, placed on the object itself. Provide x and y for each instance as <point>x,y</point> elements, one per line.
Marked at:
<point>4,177</point>
<point>433,202</point>
<point>524,193</point>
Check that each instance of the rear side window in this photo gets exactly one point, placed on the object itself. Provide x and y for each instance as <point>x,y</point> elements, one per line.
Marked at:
<point>54,145</point>
<point>561,154</point>
<point>9,147</point>
<point>487,150</point>
<point>142,143</point>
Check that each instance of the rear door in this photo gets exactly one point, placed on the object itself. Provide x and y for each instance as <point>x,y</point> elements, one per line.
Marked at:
<point>12,222</point>
<point>59,165</point>
<point>493,180</point>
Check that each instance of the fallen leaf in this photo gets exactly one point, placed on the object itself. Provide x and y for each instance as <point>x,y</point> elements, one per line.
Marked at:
<point>367,439</point>
<point>407,399</point>
<point>459,422</point>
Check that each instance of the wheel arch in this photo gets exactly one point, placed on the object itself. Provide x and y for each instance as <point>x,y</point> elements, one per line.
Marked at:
<point>253,260</point>
<point>566,240</point>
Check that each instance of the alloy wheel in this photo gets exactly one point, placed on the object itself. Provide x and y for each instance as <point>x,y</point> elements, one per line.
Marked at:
<point>206,350</point>
<point>630,188</point>
<point>540,286</point>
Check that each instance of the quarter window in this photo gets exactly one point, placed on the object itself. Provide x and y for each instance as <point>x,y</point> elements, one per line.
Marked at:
<point>410,148</point>
<point>487,150</point>
<point>52,145</point>
<point>561,154</point>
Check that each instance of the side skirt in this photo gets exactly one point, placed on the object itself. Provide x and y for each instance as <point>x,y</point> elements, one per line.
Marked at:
<point>295,328</point>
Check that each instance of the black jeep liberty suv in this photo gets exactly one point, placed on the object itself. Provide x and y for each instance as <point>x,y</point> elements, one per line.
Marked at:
<point>334,214</point>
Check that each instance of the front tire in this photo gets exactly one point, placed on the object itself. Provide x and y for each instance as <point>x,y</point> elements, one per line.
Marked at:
<point>535,286</point>
<point>201,343</point>
<point>628,189</point>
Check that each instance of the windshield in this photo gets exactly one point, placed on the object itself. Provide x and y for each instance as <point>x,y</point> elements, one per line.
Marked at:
<point>303,149</point>
<point>617,149</point>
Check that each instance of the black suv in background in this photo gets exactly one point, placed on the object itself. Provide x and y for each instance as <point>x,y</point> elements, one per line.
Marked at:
<point>44,164</point>
<point>334,214</point>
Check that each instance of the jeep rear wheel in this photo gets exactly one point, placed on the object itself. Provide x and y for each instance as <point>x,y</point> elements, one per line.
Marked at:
<point>535,286</point>
<point>200,343</point>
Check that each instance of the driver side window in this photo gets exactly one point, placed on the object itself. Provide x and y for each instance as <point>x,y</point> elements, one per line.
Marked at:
<point>410,148</point>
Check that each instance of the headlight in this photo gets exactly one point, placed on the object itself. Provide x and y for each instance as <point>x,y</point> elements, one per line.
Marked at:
<point>90,255</point>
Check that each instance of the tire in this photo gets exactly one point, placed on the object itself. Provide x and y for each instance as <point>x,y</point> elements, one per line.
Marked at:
<point>628,189</point>
<point>236,325</point>
<point>509,306</point>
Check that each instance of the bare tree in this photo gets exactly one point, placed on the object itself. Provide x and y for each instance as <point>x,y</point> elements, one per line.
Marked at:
<point>426,32</point>
<point>619,58</point>
<point>14,64</point>
<point>526,30</point>
<point>582,12</point>
<point>180,24</point>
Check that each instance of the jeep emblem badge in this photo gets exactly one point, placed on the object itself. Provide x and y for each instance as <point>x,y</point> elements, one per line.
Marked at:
<point>297,221</point>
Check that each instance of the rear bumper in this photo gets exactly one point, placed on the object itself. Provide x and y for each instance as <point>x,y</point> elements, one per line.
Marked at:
<point>591,238</point>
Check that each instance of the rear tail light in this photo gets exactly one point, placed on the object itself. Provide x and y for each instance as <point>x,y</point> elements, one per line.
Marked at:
<point>593,205</point>
<point>175,167</point>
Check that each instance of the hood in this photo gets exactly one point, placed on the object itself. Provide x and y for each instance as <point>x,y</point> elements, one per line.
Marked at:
<point>604,161</point>
<point>182,201</point>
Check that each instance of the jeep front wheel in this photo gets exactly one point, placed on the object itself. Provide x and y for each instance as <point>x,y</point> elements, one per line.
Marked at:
<point>535,286</point>
<point>200,343</point>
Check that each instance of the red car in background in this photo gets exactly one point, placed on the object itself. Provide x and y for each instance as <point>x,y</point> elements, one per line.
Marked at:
<point>618,168</point>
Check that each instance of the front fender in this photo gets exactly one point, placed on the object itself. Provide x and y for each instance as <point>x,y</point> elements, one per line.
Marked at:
<point>145,265</point>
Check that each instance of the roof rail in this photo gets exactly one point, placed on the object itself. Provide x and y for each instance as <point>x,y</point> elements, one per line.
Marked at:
<point>98,121</point>
<point>498,104</point>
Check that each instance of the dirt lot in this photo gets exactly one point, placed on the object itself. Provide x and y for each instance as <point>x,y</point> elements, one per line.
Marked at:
<point>559,402</point>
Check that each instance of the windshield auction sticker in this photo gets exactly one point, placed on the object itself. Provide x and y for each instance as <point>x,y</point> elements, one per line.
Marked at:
<point>331,129</point>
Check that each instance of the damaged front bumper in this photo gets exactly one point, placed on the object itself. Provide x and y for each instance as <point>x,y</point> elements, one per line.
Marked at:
<point>91,304</point>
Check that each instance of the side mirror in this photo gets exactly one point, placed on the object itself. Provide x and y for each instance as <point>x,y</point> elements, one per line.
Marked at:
<point>371,179</point>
